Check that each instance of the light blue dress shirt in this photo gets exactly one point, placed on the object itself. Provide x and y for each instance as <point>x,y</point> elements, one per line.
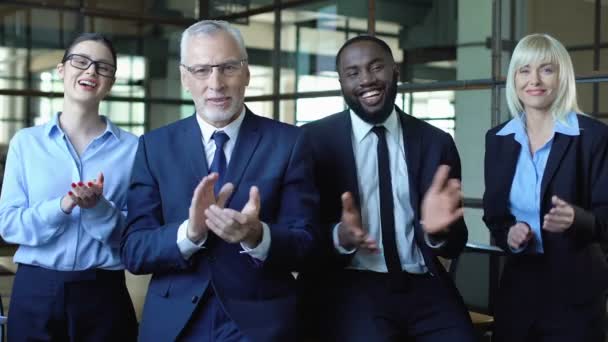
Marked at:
<point>524,199</point>
<point>40,168</point>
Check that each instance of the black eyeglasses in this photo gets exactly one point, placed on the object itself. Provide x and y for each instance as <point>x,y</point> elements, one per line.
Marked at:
<point>83,63</point>
<point>230,68</point>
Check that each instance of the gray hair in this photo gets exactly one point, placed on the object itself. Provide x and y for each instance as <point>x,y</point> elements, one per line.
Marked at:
<point>209,28</point>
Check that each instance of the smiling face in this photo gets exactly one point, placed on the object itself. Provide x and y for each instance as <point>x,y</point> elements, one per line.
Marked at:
<point>219,98</point>
<point>368,78</point>
<point>86,86</point>
<point>536,85</point>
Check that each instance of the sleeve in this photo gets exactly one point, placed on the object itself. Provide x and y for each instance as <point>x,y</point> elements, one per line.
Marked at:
<point>456,237</point>
<point>23,222</point>
<point>260,252</point>
<point>496,215</point>
<point>296,234</point>
<point>591,224</point>
<point>105,222</point>
<point>148,244</point>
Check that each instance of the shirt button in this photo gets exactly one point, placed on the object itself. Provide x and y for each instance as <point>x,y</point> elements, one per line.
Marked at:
<point>194,299</point>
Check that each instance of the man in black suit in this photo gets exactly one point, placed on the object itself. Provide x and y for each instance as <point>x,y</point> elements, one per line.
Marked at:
<point>386,283</point>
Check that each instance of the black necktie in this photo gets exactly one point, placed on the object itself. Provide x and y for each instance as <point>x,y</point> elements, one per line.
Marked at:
<point>219,158</point>
<point>387,218</point>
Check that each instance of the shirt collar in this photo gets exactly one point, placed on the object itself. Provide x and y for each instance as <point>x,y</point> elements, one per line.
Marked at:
<point>53,127</point>
<point>516,126</point>
<point>232,129</point>
<point>361,128</point>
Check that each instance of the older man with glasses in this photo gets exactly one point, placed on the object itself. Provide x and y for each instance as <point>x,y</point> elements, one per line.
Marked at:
<point>221,205</point>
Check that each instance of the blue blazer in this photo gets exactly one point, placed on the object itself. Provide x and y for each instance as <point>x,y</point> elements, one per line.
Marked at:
<point>574,263</point>
<point>426,147</point>
<point>259,297</point>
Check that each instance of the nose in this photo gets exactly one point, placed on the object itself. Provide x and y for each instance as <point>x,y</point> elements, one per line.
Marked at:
<point>366,77</point>
<point>216,79</point>
<point>92,69</point>
<point>534,77</point>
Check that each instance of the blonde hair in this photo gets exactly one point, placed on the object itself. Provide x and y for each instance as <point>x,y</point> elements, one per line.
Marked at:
<point>540,47</point>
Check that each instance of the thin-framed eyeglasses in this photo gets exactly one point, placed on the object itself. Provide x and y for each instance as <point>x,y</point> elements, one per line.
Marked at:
<point>83,63</point>
<point>202,72</point>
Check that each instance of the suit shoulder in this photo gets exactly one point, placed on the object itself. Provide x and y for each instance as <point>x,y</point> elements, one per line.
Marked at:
<point>164,132</point>
<point>492,131</point>
<point>591,124</point>
<point>281,131</point>
<point>327,123</point>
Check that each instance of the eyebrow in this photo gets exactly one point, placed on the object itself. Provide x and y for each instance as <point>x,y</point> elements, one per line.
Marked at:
<point>95,60</point>
<point>373,61</point>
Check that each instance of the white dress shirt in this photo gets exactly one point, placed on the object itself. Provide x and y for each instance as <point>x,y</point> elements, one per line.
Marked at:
<point>186,246</point>
<point>364,143</point>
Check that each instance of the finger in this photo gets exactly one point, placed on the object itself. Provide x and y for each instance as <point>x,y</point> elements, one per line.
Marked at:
<point>225,193</point>
<point>209,182</point>
<point>439,179</point>
<point>239,217</point>
<point>556,221</point>
<point>558,218</point>
<point>213,215</point>
<point>254,198</point>
<point>76,190</point>
<point>357,233</point>
<point>347,202</point>
<point>558,201</point>
<point>453,193</point>
<point>198,192</point>
<point>561,212</point>
<point>85,191</point>
<point>100,179</point>
<point>214,228</point>
<point>455,215</point>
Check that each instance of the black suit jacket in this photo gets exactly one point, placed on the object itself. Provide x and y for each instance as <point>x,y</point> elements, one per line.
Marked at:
<point>574,265</point>
<point>426,148</point>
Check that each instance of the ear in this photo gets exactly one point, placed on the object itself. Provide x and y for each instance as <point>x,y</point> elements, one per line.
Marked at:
<point>247,74</point>
<point>184,78</point>
<point>60,69</point>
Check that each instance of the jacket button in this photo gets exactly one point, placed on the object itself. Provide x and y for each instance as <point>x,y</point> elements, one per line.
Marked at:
<point>194,299</point>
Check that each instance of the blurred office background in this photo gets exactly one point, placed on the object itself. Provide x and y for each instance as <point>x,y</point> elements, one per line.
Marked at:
<point>453,55</point>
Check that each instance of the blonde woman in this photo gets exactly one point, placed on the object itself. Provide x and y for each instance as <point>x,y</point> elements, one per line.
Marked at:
<point>546,202</point>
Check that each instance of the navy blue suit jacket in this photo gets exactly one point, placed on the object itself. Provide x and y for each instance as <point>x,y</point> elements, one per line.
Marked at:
<point>259,297</point>
<point>426,147</point>
<point>574,263</point>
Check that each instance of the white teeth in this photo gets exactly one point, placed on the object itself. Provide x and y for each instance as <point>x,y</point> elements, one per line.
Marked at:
<point>370,94</point>
<point>87,83</point>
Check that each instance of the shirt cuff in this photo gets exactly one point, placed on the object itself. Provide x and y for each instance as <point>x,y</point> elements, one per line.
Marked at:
<point>336,239</point>
<point>260,252</point>
<point>432,242</point>
<point>53,214</point>
<point>186,247</point>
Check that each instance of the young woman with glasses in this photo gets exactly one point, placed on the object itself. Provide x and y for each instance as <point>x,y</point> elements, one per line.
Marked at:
<point>64,202</point>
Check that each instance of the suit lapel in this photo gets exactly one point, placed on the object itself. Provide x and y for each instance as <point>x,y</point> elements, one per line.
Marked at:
<point>412,142</point>
<point>344,144</point>
<point>193,143</point>
<point>558,150</point>
<point>246,143</point>
<point>506,158</point>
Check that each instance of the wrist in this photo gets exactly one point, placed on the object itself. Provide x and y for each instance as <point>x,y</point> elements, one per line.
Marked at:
<point>67,204</point>
<point>254,238</point>
<point>194,237</point>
